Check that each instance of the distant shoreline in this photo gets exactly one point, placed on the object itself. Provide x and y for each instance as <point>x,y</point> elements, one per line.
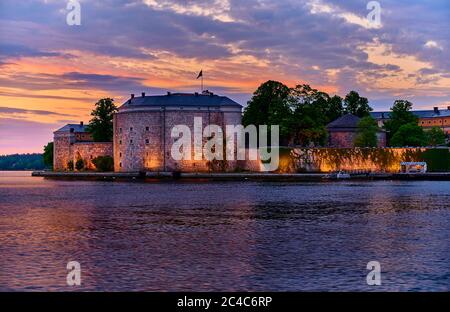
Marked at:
<point>293,177</point>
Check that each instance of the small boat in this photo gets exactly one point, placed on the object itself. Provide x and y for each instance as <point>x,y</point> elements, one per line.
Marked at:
<point>342,175</point>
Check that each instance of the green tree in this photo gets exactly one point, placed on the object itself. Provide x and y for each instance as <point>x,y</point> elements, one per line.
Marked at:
<point>48,155</point>
<point>435,136</point>
<point>400,115</point>
<point>104,163</point>
<point>79,165</point>
<point>356,105</point>
<point>101,125</point>
<point>410,134</point>
<point>366,135</point>
<point>269,106</point>
<point>334,108</point>
<point>309,117</point>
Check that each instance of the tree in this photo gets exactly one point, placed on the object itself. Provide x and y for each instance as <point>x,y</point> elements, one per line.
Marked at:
<point>400,115</point>
<point>101,125</point>
<point>366,135</point>
<point>70,165</point>
<point>79,165</point>
<point>435,136</point>
<point>334,108</point>
<point>309,115</point>
<point>48,155</point>
<point>356,105</point>
<point>104,163</point>
<point>269,106</point>
<point>410,134</point>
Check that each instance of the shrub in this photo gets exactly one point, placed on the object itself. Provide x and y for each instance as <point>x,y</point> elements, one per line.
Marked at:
<point>70,165</point>
<point>79,165</point>
<point>438,160</point>
<point>104,163</point>
<point>435,136</point>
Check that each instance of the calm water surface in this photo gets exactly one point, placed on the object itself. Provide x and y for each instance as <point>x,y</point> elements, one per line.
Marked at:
<point>223,236</point>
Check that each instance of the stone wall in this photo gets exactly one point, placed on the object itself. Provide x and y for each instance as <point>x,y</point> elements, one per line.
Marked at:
<point>341,139</point>
<point>66,149</point>
<point>348,159</point>
<point>87,151</point>
<point>62,150</point>
<point>143,141</point>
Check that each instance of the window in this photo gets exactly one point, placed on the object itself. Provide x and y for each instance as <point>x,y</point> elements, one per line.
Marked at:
<point>147,141</point>
<point>131,129</point>
<point>120,165</point>
<point>147,128</point>
<point>120,154</point>
<point>120,142</point>
<point>120,130</point>
<point>131,141</point>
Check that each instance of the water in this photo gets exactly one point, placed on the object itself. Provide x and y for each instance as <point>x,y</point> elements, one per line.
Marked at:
<point>246,236</point>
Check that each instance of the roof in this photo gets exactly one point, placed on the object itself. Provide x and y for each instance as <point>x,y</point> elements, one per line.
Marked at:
<point>181,99</point>
<point>419,113</point>
<point>347,122</point>
<point>75,127</point>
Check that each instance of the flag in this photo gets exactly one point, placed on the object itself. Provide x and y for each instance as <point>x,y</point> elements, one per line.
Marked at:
<point>200,74</point>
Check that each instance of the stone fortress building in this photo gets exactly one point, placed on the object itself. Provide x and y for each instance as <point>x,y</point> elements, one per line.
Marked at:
<point>72,142</point>
<point>142,133</point>
<point>142,139</point>
<point>143,125</point>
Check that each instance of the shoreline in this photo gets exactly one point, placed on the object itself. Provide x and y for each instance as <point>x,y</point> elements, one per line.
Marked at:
<point>293,177</point>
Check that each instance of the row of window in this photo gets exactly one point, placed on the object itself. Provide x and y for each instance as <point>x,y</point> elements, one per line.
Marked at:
<point>147,141</point>
<point>437,122</point>
<point>131,129</point>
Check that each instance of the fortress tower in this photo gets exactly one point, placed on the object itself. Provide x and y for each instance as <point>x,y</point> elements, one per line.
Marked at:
<point>143,125</point>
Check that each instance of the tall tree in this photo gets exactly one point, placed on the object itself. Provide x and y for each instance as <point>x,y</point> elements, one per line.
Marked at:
<point>334,108</point>
<point>400,115</point>
<point>435,136</point>
<point>101,125</point>
<point>366,135</point>
<point>309,116</point>
<point>269,106</point>
<point>409,135</point>
<point>48,155</point>
<point>356,105</point>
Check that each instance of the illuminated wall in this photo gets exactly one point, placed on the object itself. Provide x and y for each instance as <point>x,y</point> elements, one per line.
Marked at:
<point>349,159</point>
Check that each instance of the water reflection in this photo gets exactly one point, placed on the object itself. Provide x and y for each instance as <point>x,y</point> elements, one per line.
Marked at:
<point>223,236</point>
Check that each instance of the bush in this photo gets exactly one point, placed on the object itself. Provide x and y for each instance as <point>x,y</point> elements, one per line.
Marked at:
<point>438,160</point>
<point>70,165</point>
<point>366,135</point>
<point>435,136</point>
<point>104,163</point>
<point>409,135</point>
<point>79,165</point>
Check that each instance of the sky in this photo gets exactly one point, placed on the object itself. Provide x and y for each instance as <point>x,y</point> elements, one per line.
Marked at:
<point>52,73</point>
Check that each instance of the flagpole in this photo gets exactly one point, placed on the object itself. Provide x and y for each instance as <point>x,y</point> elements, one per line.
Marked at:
<point>202,82</point>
